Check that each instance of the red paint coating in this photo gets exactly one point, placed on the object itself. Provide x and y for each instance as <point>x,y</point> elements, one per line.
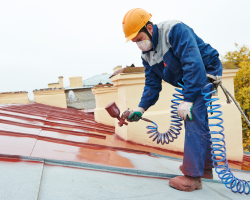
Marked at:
<point>68,134</point>
<point>15,158</point>
<point>80,153</point>
<point>16,145</point>
<point>20,129</point>
<point>84,126</point>
<point>21,124</point>
<point>245,166</point>
<point>246,158</point>
<point>88,145</point>
<point>17,134</point>
<point>157,150</point>
<point>246,163</point>
<point>21,115</point>
<point>67,131</point>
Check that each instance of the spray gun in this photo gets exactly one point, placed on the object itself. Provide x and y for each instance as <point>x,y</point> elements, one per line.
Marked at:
<point>163,138</point>
<point>114,112</point>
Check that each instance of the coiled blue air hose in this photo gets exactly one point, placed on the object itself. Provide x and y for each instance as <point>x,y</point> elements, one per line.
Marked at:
<point>175,128</point>
<point>218,146</point>
<point>219,155</point>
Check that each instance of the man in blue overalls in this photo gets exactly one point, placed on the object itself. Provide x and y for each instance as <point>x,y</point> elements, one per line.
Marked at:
<point>171,51</point>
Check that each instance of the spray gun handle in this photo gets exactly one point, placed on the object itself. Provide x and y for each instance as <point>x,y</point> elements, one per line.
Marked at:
<point>121,122</point>
<point>124,116</point>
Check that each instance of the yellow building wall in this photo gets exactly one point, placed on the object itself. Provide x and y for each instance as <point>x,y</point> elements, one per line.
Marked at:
<point>51,97</point>
<point>75,81</point>
<point>60,81</point>
<point>16,97</point>
<point>103,96</point>
<point>53,85</point>
<point>117,68</point>
<point>57,85</point>
<point>130,88</point>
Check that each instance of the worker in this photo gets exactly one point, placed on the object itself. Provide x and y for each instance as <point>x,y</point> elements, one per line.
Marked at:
<point>172,52</point>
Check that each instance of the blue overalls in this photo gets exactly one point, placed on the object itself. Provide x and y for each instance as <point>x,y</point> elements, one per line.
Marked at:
<point>179,55</point>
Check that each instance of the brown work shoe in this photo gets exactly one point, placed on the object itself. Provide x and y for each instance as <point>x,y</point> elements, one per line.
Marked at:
<point>208,173</point>
<point>186,183</point>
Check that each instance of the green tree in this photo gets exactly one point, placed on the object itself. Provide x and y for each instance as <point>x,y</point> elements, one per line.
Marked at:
<point>241,59</point>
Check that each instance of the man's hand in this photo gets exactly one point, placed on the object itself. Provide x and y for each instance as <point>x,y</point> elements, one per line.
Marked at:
<point>184,109</point>
<point>135,114</point>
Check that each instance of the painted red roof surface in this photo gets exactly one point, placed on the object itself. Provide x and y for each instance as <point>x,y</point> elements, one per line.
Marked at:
<point>49,132</point>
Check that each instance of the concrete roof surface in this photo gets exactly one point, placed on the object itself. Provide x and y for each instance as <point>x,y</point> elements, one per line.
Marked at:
<point>54,153</point>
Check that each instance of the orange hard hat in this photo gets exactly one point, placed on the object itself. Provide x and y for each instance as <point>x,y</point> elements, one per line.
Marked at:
<point>133,21</point>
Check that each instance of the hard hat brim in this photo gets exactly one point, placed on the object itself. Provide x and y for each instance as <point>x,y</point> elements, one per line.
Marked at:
<point>132,36</point>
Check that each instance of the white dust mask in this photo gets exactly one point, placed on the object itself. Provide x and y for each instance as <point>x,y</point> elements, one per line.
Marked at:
<point>145,45</point>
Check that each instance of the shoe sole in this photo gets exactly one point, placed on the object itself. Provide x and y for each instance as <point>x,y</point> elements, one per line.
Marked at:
<point>183,188</point>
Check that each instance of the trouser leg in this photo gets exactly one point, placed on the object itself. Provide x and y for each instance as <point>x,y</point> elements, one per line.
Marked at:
<point>208,158</point>
<point>196,139</point>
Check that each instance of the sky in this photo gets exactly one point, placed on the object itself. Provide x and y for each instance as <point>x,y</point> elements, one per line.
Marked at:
<point>42,40</point>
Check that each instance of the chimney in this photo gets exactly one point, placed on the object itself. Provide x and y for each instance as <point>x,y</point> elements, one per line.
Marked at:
<point>60,81</point>
<point>75,81</point>
<point>117,68</point>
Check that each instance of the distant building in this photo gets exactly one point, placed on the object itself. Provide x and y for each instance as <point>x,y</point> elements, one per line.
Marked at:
<point>14,97</point>
<point>54,95</point>
<point>59,84</point>
<point>84,98</point>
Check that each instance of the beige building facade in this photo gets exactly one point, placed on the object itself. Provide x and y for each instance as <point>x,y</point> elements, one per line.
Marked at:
<point>84,97</point>
<point>75,81</point>
<point>104,94</point>
<point>50,96</point>
<point>130,85</point>
<point>14,97</point>
<point>59,84</point>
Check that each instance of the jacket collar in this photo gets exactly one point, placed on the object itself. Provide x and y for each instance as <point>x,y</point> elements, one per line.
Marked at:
<point>154,39</point>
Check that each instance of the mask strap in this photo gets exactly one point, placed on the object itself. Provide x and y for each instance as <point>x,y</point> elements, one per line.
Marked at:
<point>146,31</point>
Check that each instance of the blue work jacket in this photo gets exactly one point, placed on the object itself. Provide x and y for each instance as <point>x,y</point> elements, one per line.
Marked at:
<point>178,55</point>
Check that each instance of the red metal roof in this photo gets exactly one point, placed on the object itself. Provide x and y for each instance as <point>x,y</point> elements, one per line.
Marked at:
<point>39,130</point>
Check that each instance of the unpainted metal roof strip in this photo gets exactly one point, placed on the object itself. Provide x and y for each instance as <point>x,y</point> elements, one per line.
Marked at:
<point>133,172</point>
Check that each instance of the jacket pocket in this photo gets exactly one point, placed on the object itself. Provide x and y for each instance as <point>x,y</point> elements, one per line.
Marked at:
<point>171,61</point>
